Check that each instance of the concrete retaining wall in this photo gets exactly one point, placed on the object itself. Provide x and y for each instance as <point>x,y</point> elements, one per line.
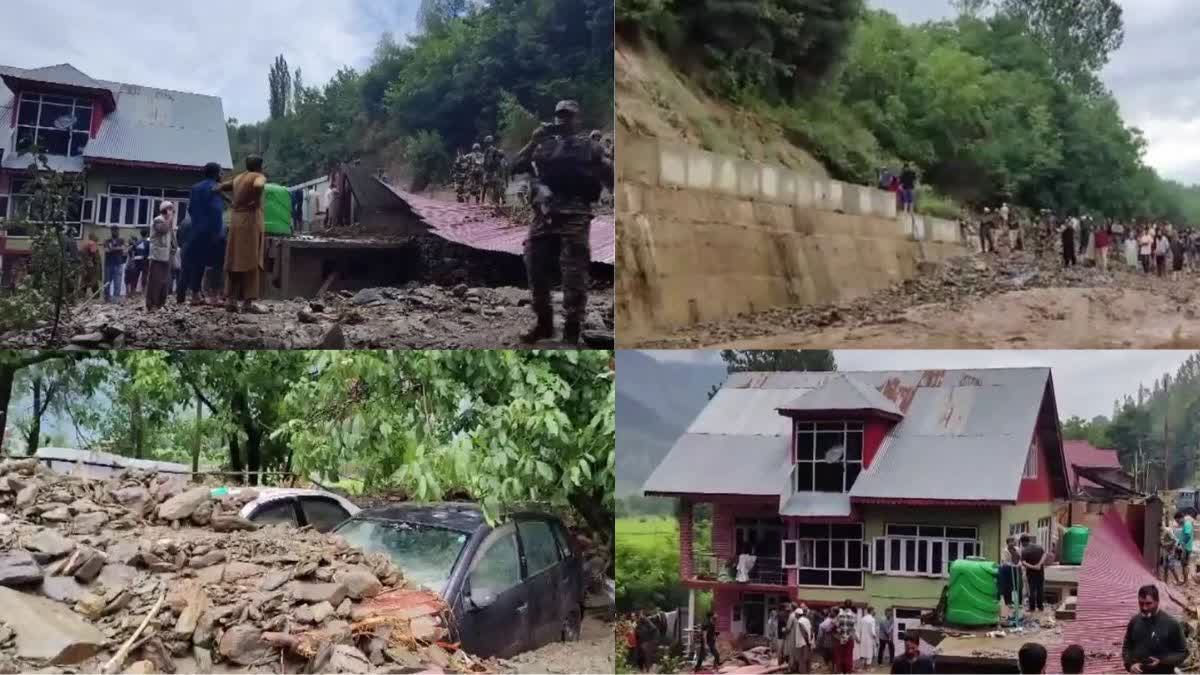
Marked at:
<point>704,237</point>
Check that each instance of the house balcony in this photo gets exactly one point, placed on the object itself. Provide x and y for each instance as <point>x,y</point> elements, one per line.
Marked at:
<point>712,571</point>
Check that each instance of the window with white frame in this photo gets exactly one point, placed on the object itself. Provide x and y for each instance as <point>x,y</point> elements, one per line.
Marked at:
<point>826,555</point>
<point>135,206</point>
<point>20,206</point>
<point>1043,533</point>
<point>828,455</point>
<point>57,125</point>
<point>922,550</point>
<point>1031,462</point>
<point>1018,529</point>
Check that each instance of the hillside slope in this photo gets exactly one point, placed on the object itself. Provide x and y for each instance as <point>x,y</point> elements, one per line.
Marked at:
<point>655,100</point>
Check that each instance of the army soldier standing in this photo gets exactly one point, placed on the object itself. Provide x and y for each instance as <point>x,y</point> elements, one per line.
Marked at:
<point>459,176</point>
<point>475,173</point>
<point>493,172</point>
<point>570,172</point>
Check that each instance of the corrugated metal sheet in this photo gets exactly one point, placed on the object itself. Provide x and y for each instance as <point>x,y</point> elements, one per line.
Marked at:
<point>708,464</point>
<point>149,125</point>
<point>479,227</point>
<point>843,393</point>
<point>1109,579</point>
<point>965,433</point>
<point>97,464</point>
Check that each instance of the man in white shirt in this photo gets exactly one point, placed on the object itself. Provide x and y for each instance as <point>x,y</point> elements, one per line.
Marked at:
<point>799,631</point>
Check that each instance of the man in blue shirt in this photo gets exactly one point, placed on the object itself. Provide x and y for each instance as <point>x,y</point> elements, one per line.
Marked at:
<point>206,208</point>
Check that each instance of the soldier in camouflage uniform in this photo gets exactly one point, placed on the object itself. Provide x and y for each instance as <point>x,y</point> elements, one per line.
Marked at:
<point>475,174</point>
<point>570,171</point>
<point>458,175</point>
<point>494,179</point>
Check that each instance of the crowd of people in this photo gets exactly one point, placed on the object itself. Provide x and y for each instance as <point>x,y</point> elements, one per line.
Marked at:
<point>1155,248</point>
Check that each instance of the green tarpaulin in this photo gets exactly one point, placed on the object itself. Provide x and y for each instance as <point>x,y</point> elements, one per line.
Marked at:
<point>277,209</point>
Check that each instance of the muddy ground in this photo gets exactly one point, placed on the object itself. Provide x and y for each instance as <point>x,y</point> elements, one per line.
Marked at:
<point>412,317</point>
<point>979,302</point>
<point>592,653</point>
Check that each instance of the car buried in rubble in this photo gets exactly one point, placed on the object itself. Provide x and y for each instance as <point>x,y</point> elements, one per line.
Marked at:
<point>506,589</point>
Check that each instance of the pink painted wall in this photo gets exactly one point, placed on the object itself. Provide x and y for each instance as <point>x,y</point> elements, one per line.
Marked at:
<point>1040,489</point>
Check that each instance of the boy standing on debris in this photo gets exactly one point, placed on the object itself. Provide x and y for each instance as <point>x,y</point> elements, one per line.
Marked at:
<point>1153,639</point>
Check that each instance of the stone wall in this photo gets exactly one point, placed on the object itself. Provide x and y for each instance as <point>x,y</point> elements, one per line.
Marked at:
<point>704,237</point>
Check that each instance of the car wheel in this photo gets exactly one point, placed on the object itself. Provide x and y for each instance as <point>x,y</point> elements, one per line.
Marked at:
<point>572,625</point>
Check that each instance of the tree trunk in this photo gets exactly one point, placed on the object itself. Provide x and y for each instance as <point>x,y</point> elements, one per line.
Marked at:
<point>196,442</point>
<point>7,375</point>
<point>136,426</point>
<point>235,456</point>
<point>253,451</point>
<point>35,424</point>
<point>598,518</point>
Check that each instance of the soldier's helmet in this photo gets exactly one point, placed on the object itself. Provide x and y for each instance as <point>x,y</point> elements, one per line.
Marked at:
<point>596,134</point>
<point>568,106</point>
<point>475,147</point>
<point>489,140</point>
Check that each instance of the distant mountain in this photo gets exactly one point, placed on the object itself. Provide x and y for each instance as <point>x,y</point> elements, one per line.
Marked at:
<point>656,401</point>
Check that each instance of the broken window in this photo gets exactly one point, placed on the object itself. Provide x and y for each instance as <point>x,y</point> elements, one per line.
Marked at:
<point>826,555</point>
<point>828,455</point>
<point>58,125</point>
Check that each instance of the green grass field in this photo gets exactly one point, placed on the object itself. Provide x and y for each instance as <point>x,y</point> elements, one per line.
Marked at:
<point>647,532</point>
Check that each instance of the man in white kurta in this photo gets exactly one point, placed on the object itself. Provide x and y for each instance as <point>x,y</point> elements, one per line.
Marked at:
<point>868,636</point>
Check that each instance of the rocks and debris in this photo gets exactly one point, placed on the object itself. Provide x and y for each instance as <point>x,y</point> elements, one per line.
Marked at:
<point>413,316</point>
<point>227,592</point>
<point>953,285</point>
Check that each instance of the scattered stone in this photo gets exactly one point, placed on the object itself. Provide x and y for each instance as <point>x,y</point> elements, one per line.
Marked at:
<point>189,618</point>
<point>59,514</point>
<point>49,631</point>
<point>236,571</point>
<point>50,542</point>
<point>88,339</point>
<point>84,564</point>
<point>243,645</point>
<point>343,610</point>
<point>63,589</point>
<point>183,505</point>
<point>310,592</point>
<point>368,296</point>
<point>145,667</point>
<point>90,605</point>
<point>360,583</point>
<point>116,577</point>
<point>123,552</point>
<point>321,611</point>
<point>26,495</point>
<point>207,560</point>
<point>203,514</point>
<point>18,568</point>
<point>90,523</point>
<point>334,338</point>
<point>308,317</point>
<point>274,580</point>
<point>203,658</point>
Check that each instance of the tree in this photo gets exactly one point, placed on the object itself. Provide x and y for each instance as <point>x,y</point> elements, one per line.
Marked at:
<point>297,90</point>
<point>970,8</point>
<point>1079,35</point>
<point>433,15</point>
<point>280,81</point>
<point>13,362</point>
<point>742,360</point>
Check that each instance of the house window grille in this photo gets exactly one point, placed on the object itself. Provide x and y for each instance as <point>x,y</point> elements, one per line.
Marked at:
<point>828,455</point>
<point>58,125</point>
<point>826,555</point>
<point>922,550</point>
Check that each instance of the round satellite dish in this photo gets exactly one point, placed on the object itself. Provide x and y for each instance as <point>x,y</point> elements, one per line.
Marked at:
<point>64,123</point>
<point>835,453</point>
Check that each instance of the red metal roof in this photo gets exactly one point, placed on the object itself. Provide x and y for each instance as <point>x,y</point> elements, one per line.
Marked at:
<point>1083,453</point>
<point>479,227</point>
<point>1109,579</point>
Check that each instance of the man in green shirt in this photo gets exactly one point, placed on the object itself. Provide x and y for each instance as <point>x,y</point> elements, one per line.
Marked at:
<point>1186,527</point>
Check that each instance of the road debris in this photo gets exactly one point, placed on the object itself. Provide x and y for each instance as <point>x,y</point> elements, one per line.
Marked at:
<point>150,584</point>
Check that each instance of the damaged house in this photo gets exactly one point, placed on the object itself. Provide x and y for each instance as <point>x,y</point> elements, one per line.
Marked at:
<point>828,486</point>
<point>135,146</point>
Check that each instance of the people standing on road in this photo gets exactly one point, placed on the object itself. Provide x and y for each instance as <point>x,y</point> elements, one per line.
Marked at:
<point>1185,539</point>
<point>206,210</point>
<point>1033,560</point>
<point>1154,640</point>
<point>868,636</point>
<point>1168,554</point>
<point>1162,247</point>
<point>1068,241</point>
<point>90,273</point>
<point>885,636</point>
<point>1146,249</point>
<point>1008,578</point>
<point>244,248</point>
<point>782,625</point>
<point>772,627</point>
<point>1178,248</point>
<point>571,173</point>
<point>985,232</point>
<point>1031,658</point>
<point>908,187</point>
<point>114,263</point>
<point>798,633</point>
<point>912,661</point>
<point>162,249</point>
<point>845,637</point>
<point>1102,241</point>
<point>140,258</point>
<point>825,640</point>
<point>708,641</point>
<point>1130,249</point>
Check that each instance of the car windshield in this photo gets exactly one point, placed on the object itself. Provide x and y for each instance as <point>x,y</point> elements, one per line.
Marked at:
<point>425,554</point>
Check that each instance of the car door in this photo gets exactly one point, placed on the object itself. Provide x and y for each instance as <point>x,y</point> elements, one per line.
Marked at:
<point>495,614</point>
<point>322,513</point>
<point>274,512</point>
<point>544,578</point>
<point>574,577</point>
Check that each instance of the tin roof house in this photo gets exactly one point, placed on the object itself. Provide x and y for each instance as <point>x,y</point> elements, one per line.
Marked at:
<point>135,145</point>
<point>828,486</point>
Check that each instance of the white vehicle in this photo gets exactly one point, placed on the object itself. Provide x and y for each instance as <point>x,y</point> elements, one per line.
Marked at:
<point>297,507</point>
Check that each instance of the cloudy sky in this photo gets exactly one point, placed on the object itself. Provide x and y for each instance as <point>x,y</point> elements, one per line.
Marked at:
<point>1085,382</point>
<point>1152,75</point>
<point>219,47</point>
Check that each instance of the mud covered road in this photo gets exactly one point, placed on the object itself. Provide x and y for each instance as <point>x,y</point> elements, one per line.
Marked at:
<point>594,652</point>
<point>978,302</point>
<point>415,317</point>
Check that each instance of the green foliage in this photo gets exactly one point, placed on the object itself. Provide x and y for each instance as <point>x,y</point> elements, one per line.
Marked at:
<point>427,156</point>
<point>516,123</point>
<point>456,82</point>
<point>743,360</point>
<point>1078,36</point>
<point>279,82</point>
<point>648,563</point>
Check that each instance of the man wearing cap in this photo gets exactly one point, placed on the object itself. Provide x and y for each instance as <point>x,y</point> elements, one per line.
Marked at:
<point>911,661</point>
<point>571,171</point>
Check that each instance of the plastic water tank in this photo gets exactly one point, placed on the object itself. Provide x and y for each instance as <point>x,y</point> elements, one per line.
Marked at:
<point>1074,543</point>
<point>973,595</point>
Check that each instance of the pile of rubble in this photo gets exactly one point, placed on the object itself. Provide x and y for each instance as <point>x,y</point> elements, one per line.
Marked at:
<point>149,574</point>
<point>956,283</point>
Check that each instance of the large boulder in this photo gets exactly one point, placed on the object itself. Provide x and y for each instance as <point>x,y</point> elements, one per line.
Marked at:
<point>51,543</point>
<point>182,506</point>
<point>360,582</point>
<point>18,568</point>
<point>313,593</point>
<point>48,631</point>
<point>243,645</point>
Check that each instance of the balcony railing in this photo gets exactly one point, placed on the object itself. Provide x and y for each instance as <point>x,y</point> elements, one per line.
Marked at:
<point>710,567</point>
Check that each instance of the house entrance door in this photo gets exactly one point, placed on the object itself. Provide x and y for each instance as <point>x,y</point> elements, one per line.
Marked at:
<point>756,608</point>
